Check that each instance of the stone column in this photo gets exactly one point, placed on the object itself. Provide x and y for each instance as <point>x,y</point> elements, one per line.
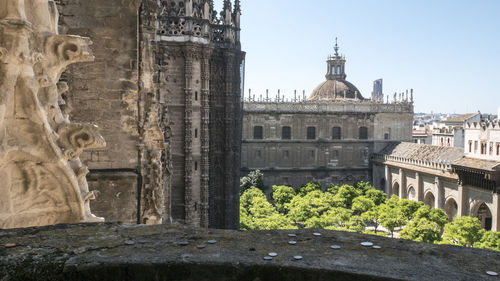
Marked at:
<point>495,213</point>
<point>462,206</point>
<point>205,137</point>
<point>419,187</point>
<point>402,183</point>
<point>190,216</point>
<point>440,194</point>
<point>388,181</point>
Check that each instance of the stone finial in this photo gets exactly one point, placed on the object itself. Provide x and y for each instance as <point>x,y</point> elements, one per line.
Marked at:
<point>237,8</point>
<point>43,179</point>
<point>411,95</point>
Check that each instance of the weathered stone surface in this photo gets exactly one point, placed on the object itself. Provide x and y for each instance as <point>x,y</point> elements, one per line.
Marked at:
<point>42,179</point>
<point>118,91</point>
<point>131,252</point>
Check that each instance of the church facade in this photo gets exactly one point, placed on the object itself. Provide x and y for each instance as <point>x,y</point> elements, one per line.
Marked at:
<point>328,137</point>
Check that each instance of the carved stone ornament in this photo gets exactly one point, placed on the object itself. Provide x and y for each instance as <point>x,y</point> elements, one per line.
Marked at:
<point>42,180</point>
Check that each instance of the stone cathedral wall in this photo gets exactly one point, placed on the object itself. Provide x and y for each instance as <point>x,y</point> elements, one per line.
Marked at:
<point>113,92</point>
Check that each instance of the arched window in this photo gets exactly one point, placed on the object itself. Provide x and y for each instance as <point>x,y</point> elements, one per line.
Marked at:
<point>363,133</point>
<point>470,146</point>
<point>498,149</point>
<point>257,132</point>
<point>338,70</point>
<point>286,133</point>
<point>386,136</point>
<point>337,133</point>
<point>311,133</point>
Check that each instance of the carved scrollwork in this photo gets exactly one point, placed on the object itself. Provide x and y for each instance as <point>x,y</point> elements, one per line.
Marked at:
<point>74,138</point>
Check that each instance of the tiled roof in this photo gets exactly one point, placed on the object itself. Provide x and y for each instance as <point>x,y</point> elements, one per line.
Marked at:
<point>461,118</point>
<point>424,152</point>
<point>479,164</point>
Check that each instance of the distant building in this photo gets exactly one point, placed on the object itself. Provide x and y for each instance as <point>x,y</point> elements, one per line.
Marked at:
<point>378,94</point>
<point>461,183</point>
<point>422,136</point>
<point>483,140</point>
<point>327,138</point>
<point>450,133</point>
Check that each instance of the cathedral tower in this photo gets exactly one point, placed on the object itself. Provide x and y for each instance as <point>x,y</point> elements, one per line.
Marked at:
<point>200,58</point>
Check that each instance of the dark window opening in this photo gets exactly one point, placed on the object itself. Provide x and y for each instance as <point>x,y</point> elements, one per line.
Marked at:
<point>498,149</point>
<point>312,154</point>
<point>286,154</point>
<point>257,132</point>
<point>195,133</point>
<point>363,133</point>
<point>483,148</point>
<point>195,95</point>
<point>470,146</point>
<point>196,165</point>
<point>286,133</point>
<point>337,133</point>
<point>386,136</point>
<point>311,133</point>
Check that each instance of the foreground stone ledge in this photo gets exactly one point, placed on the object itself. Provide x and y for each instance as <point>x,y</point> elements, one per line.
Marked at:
<point>113,251</point>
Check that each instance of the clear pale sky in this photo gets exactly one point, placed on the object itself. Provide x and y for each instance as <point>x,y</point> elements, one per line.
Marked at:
<point>448,51</point>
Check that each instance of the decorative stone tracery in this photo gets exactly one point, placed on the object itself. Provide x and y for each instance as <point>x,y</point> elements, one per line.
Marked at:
<point>43,180</point>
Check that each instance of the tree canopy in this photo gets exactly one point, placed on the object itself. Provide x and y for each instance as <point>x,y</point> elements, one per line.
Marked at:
<point>358,208</point>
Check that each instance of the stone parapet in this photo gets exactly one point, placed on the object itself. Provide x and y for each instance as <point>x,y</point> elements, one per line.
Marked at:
<point>327,107</point>
<point>112,251</point>
<point>439,165</point>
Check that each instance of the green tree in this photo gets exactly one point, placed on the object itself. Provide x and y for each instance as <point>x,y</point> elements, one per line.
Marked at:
<point>257,213</point>
<point>435,215</point>
<point>463,231</point>
<point>391,217</point>
<point>312,204</point>
<point>377,196</point>
<point>308,187</point>
<point>282,195</point>
<point>363,186</point>
<point>245,219</point>
<point>362,204</point>
<point>422,230</point>
<point>490,240</point>
<point>248,195</point>
<point>409,208</point>
<point>372,216</point>
<point>333,189</point>
<point>346,194</point>
<point>356,224</point>
<point>334,218</point>
<point>253,179</point>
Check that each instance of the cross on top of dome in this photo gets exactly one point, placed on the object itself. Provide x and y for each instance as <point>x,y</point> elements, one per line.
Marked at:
<point>336,48</point>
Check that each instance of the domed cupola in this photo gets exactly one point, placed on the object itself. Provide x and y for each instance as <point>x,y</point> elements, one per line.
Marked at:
<point>335,88</point>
